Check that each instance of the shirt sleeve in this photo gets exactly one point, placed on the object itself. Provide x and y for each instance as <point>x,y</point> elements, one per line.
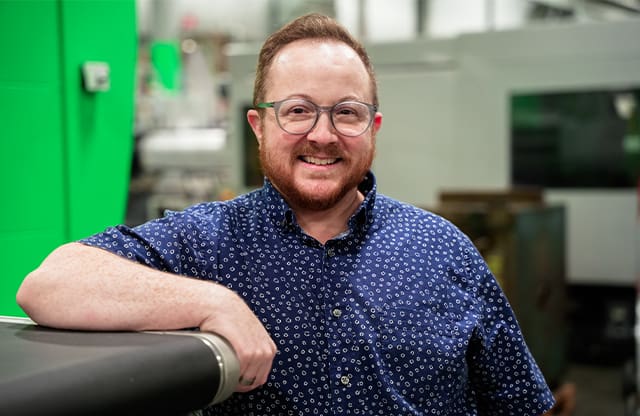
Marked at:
<point>503,374</point>
<point>171,243</point>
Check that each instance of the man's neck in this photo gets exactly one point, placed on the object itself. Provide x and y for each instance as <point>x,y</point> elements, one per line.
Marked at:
<point>327,224</point>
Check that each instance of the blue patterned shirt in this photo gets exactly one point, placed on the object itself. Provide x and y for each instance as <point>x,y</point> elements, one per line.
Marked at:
<point>399,315</point>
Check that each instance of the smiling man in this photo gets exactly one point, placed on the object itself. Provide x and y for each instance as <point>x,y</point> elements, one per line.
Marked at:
<point>316,156</point>
<point>337,300</point>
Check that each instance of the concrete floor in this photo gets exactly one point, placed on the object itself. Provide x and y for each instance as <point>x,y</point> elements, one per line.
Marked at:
<point>599,390</point>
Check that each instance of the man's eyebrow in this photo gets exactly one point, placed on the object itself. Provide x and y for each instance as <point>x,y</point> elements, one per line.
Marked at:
<point>309,98</point>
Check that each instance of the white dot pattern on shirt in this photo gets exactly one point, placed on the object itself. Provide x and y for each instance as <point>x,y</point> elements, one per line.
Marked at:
<point>398,316</point>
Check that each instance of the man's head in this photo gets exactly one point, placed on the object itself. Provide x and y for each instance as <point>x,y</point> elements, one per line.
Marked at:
<point>314,61</point>
<point>311,26</point>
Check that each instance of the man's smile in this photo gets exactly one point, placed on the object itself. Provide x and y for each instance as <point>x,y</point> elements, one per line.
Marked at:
<point>319,161</point>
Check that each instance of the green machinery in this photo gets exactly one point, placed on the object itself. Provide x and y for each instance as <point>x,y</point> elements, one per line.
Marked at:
<point>65,146</point>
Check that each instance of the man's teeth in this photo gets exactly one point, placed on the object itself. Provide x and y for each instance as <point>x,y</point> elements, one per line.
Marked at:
<point>318,161</point>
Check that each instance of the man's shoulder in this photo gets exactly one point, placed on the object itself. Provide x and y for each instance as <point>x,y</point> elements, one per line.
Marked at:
<point>234,210</point>
<point>413,220</point>
<point>402,211</point>
<point>238,204</point>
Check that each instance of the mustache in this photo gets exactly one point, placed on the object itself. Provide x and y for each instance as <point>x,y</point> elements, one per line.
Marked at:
<point>311,149</point>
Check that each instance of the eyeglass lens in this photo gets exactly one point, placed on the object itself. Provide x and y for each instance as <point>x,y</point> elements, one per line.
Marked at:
<point>299,116</point>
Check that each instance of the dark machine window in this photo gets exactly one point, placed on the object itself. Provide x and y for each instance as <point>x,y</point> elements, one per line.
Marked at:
<point>584,139</point>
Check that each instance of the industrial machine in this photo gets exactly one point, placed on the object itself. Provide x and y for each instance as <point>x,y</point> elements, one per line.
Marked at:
<point>63,372</point>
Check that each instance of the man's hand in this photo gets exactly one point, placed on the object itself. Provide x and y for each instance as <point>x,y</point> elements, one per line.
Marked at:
<point>233,320</point>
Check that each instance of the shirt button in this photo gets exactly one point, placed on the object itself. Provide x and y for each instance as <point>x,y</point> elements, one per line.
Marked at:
<point>344,380</point>
<point>336,312</point>
<point>331,252</point>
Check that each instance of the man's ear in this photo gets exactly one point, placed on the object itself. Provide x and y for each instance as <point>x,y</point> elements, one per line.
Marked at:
<point>377,122</point>
<point>253,117</point>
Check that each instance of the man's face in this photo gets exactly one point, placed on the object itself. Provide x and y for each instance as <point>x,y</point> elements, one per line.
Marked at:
<point>318,169</point>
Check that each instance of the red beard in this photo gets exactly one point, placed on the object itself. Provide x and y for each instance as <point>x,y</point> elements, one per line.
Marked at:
<point>277,171</point>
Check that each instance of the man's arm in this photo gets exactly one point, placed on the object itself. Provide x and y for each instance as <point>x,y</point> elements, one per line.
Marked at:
<point>82,287</point>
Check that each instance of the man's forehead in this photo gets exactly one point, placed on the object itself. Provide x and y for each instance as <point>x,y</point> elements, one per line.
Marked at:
<point>328,49</point>
<point>324,69</point>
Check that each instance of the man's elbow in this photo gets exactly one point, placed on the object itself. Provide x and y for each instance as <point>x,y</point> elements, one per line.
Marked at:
<point>42,292</point>
<point>30,295</point>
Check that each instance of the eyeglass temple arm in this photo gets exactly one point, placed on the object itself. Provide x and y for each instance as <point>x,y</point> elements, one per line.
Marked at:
<point>265,105</point>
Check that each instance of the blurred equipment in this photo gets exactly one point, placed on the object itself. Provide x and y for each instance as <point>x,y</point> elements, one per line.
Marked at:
<point>193,149</point>
<point>181,167</point>
<point>56,372</point>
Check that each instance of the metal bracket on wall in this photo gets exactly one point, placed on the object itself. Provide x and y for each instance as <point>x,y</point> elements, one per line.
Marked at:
<point>95,76</point>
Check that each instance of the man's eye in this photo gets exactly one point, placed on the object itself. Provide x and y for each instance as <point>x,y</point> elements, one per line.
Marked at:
<point>345,111</point>
<point>298,110</point>
<point>350,111</point>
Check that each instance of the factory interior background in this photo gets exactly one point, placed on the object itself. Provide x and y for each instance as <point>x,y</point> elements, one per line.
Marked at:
<point>519,120</point>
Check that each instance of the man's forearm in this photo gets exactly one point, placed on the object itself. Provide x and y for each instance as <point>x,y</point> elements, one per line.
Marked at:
<point>84,287</point>
<point>81,287</point>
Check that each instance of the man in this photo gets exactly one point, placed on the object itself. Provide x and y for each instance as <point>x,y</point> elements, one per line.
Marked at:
<point>336,299</point>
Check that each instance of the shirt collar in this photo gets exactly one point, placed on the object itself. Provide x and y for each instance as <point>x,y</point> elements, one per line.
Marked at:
<point>363,217</point>
<point>282,215</point>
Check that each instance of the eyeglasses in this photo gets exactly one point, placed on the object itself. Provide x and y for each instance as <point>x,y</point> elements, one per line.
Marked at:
<point>297,116</point>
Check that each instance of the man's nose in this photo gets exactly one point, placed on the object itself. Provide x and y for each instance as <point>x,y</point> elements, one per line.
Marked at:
<point>323,131</point>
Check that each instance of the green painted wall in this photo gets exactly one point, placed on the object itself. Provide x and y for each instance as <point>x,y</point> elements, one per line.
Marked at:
<point>64,153</point>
